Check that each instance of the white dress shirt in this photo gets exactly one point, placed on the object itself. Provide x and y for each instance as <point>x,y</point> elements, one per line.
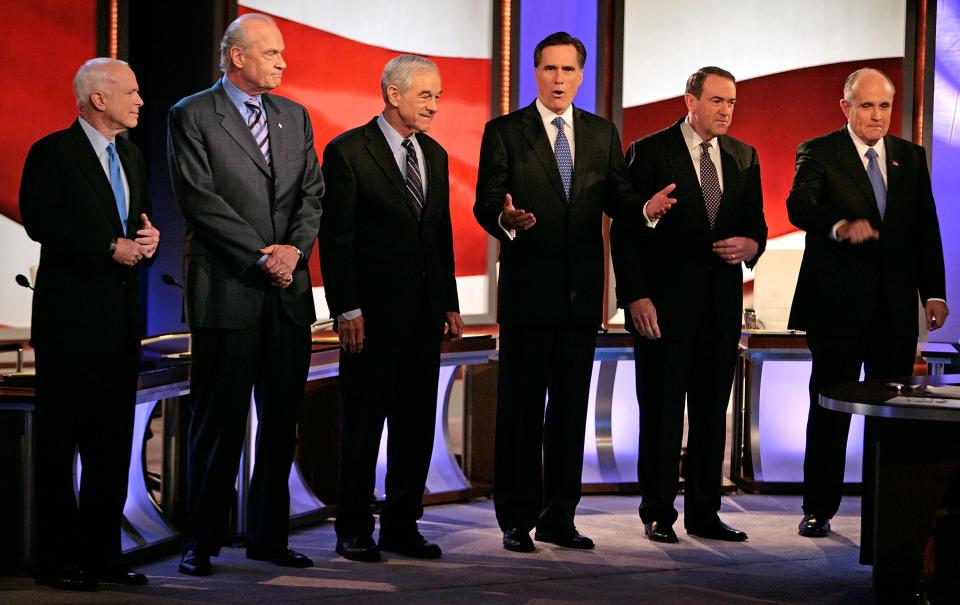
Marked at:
<point>693,141</point>
<point>548,117</point>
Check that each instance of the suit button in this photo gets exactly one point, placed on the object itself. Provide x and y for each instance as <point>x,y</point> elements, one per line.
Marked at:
<point>275,211</point>
<point>573,295</point>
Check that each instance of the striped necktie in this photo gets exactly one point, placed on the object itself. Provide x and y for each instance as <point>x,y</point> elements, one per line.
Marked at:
<point>258,128</point>
<point>413,179</point>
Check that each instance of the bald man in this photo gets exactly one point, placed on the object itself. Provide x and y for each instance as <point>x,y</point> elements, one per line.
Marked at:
<point>83,198</point>
<point>872,248</point>
<point>246,177</point>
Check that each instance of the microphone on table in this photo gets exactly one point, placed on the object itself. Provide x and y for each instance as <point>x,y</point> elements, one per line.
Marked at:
<point>165,278</point>
<point>23,281</point>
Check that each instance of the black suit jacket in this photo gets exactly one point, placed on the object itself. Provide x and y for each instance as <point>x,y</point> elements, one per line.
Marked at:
<point>840,285</point>
<point>674,264</point>
<point>82,295</point>
<point>235,204</point>
<point>552,273</point>
<point>374,254</point>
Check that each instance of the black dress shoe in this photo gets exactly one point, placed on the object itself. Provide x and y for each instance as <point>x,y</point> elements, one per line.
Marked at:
<point>715,529</point>
<point>358,549</point>
<point>195,563</point>
<point>518,540</point>
<point>68,578</point>
<point>568,538</point>
<point>284,558</point>
<point>660,532</point>
<point>122,576</point>
<point>814,526</point>
<point>412,545</point>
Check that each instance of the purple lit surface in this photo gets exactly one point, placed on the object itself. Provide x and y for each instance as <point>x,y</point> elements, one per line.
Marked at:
<point>539,19</point>
<point>784,403</point>
<point>946,154</point>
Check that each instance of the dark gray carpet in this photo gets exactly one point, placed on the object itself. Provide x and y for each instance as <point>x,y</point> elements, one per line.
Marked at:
<point>774,566</point>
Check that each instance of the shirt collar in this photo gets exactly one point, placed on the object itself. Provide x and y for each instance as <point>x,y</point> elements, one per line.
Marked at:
<point>862,146</point>
<point>96,137</point>
<point>693,139</point>
<point>238,97</point>
<point>393,137</point>
<point>548,116</point>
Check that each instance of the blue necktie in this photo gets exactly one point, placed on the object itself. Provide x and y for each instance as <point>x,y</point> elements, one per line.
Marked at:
<point>876,180</point>
<point>116,183</point>
<point>561,149</point>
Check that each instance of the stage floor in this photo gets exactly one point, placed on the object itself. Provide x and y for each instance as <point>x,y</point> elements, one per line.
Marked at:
<point>774,566</point>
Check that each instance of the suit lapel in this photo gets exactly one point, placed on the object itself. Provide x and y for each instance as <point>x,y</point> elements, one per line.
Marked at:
<point>584,143</point>
<point>894,180</point>
<point>379,150</point>
<point>678,156</point>
<point>133,208</point>
<point>847,155</point>
<point>279,138</point>
<point>430,168</point>
<point>89,166</point>
<point>536,136</point>
<point>729,169</point>
<point>233,123</point>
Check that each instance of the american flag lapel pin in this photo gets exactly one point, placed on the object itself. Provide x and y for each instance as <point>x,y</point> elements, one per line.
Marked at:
<point>895,163</point>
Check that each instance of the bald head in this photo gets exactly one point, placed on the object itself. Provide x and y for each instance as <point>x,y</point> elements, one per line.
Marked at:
<point>864,72</point>
<point>251,54</point>
<point>868,103</point>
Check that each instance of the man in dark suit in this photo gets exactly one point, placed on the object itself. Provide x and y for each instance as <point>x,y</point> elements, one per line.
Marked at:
<point>547,174</point>
<point>247,180</point>
<point>386,252</point>
<point>83,198</point>
<point>872,245</point>
<point>680,281</point>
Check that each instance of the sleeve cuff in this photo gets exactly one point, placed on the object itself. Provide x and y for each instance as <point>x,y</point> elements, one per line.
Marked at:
<point>833,230</point>
<point>349,315</point>
<point>511,233</point>
<point>652,223</point>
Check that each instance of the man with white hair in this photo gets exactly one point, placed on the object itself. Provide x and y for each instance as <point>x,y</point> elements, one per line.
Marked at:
<point>872,250</point>
<point>247,180</point>
<point>386,252</point>
<point>83,197</point>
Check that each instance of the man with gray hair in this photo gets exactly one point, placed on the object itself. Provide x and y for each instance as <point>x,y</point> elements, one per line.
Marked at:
<point>872,249</point>
<point>83,197</point>
<point>386,253</point>
<point>246,177</point>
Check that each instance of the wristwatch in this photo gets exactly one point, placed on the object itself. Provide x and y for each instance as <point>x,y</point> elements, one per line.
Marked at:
<point>113,246</point>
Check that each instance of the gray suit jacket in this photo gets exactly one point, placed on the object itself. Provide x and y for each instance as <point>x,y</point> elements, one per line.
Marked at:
<point>234,204</point>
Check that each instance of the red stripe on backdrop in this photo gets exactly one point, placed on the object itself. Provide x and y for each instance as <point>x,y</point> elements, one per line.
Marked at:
<point>338,80</point>
<point>776,113</point>
<point>43,44</point>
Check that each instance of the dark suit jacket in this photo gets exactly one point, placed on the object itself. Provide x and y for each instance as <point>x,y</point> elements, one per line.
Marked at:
<point>674,264</point>
<point>374,254</point>
<point>841,284</point>
<point>82,295</point>
<point>234,204</point>
<point>552,273</point>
